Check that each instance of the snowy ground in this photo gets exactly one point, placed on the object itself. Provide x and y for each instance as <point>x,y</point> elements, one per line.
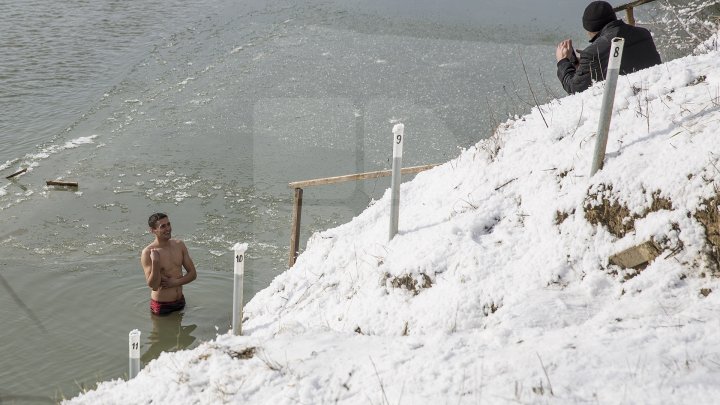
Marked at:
<point>498,287</point>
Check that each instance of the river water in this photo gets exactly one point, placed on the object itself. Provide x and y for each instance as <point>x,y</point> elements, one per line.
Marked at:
<point>206,110</point>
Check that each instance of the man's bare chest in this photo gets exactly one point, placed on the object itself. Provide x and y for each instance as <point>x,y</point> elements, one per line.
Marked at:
<point>170,259</point>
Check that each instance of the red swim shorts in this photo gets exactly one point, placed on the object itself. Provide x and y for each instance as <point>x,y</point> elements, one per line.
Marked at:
<point>162,308</point>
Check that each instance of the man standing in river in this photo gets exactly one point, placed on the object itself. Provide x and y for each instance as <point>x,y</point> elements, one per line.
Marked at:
<point>162,262</point>
<point>577,73</point>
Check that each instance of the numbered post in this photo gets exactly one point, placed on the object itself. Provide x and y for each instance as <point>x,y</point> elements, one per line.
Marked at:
<point>613,70</point>
<point>239,273</point>
<point>134,342</point>
<point>398,139</point>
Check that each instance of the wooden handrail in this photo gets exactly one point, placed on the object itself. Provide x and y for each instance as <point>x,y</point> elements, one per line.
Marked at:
<point>632,4</point>
<point>297,199</point>
<point>629,9</point>
<point>358,176</point>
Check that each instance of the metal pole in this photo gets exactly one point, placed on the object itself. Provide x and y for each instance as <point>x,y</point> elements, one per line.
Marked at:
<point>134,343</point>
<point>616,50</point>
<point>295,231</point>
<point>239,272</point>
<point>398,139</point>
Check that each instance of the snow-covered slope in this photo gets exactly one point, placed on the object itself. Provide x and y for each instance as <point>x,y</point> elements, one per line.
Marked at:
<point>498,287</point>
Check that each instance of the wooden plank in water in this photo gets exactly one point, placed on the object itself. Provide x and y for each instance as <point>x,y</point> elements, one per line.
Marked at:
<point>17,173</point>
<point>61,183</point>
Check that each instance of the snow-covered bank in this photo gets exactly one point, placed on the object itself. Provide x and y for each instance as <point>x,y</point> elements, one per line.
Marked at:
<point>498,287</point>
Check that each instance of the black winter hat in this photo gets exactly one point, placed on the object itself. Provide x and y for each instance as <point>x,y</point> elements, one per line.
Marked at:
<point>597,14</point>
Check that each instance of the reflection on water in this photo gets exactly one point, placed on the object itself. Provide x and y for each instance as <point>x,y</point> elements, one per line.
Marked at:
<point>21,304</point>
<point>168,335</point>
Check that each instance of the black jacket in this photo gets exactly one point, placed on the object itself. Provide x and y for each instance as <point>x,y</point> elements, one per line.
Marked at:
<point>639,52</point>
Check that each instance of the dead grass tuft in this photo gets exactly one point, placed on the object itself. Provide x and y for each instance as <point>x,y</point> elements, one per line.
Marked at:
<point>409,282</point>
<point>561,216</point>
<point>490,308</point>
<point>609,213</point>
<point>615,216</point>
<point>698,80</point>
<point>659,203</point>
<point>245,354</point>
<point>709,217</point>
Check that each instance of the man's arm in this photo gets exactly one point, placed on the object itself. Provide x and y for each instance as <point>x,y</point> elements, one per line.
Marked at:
<point>149,261</point>
<point>189,266</point>
<point>565,73</point>
<point>573,77</point>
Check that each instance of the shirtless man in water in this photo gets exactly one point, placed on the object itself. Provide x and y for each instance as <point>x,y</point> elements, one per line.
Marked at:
<point>162,262</point>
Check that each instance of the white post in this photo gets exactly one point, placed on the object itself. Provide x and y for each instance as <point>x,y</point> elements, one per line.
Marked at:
<point>613,70</point>
<point>398,139</point>
<point>239,273</point>
<point>134,342</point>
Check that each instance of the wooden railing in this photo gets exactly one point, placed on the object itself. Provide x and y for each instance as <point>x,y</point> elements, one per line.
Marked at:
<point>297,202</point>
<point>629,9</point>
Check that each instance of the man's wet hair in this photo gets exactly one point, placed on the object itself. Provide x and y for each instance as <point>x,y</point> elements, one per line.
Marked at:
<point>154,218</point>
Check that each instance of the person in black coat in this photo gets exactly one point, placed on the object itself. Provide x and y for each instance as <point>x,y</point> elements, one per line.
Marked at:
<point>578,72</point>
